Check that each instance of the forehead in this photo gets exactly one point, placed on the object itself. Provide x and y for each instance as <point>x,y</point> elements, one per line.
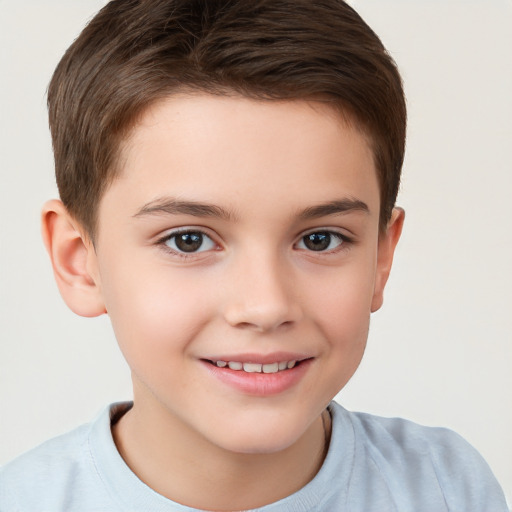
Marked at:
<point>237,150</point>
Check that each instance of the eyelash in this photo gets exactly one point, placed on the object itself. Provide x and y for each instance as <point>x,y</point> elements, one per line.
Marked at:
<point>344,241</point>
<point>163,242</point>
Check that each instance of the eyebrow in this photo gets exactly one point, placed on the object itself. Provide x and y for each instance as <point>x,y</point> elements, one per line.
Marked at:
<point>338,207</point>
<point>172,206</point>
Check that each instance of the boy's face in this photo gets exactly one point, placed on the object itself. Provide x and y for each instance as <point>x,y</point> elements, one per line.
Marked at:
<point>241,232</point>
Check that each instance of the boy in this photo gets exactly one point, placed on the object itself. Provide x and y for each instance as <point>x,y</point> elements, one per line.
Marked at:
<point>228,172</point>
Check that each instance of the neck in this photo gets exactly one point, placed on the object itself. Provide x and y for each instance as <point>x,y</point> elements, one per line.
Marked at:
<point>187,469</point>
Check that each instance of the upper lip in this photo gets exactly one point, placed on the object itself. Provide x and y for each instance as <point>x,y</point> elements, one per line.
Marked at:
<point>274,357</point>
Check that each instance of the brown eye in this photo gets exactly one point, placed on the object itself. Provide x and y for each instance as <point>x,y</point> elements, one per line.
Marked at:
<point>321,241</point>
<point>189,242</point>
<point>317,241</point>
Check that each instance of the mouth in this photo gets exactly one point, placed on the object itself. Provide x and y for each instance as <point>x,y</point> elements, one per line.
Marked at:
<point>248,367</point>
<point>259,375</point>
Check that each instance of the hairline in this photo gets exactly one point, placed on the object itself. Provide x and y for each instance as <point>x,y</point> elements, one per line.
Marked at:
<point>328,105</point>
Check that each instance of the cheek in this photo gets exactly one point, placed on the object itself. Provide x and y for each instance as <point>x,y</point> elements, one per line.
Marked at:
<point>343,317</point>
<point>344,305</point>
<point>154,312</point>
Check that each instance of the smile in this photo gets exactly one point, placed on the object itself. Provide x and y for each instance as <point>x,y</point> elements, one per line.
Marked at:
<point>256,367</point>
<point>273,374</point>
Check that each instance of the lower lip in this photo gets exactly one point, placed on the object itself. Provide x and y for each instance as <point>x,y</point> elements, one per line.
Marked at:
<point>260,384</point>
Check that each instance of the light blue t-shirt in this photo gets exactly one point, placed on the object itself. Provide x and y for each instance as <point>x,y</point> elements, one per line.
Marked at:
<point>373,465</point>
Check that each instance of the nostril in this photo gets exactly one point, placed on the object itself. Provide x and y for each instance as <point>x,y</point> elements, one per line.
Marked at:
<point>262,312</point>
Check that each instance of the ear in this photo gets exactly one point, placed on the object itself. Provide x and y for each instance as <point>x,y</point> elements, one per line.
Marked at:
<point>73,259</point>
<point>386,250</point>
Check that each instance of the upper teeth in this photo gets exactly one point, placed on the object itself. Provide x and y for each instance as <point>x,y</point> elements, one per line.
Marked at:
<point>257,367</point>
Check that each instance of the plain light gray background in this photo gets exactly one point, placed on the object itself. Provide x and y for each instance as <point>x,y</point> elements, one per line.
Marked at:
<point>440,351</point>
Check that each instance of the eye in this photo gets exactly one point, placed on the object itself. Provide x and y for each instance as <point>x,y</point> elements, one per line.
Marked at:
<point>321,241</point>
<point>189,242</point>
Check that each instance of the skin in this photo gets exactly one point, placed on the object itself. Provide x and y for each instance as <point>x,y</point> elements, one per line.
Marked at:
<point>254,287</point>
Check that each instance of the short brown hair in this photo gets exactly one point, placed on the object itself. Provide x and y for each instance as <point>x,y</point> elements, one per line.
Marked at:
<point>135,52</point>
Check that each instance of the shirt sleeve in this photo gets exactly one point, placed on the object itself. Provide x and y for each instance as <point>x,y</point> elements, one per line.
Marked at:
<point>465,478</point>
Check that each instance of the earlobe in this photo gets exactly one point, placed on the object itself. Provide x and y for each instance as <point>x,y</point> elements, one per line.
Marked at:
<point>73,259</point>
<point>386,250</point>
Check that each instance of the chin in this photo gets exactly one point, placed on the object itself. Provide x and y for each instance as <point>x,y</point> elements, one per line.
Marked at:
<point>259,446</point>
<point>261,437</point>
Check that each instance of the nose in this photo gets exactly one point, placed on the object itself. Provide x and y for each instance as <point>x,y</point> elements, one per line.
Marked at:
<point>262,296</point>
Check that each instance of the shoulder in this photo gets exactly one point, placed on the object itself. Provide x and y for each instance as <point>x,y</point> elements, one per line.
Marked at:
<point>45,477</point>
<point>29,473</point>
<point>414,461</point>
<point>407,436</point>
<point>404,439</point>
<point>63,451</point>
